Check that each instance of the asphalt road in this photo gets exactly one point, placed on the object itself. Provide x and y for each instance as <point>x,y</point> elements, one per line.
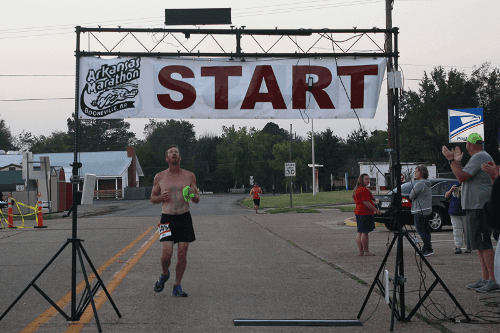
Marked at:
<point>242,266</point>
<point>223,204</point>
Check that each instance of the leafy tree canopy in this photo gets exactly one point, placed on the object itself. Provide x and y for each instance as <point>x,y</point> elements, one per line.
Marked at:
<point>102,134</point>
<point>424,113</point>
<point>5,137</point>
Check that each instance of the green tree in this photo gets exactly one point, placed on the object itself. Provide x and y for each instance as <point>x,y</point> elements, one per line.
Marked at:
<point>102,134</point>
<point>234,152</point>
<point>424,123</point>
<point>276,133</point>
<point>158,137</point>
<point>57,142</point>
<point>5,137</point>
<point>205,161</point>
<point>24,141</point>
<point>356,143</point>
<point>301,155</point>
<point>329,151</point>
<point>487,83</point>
<point>246,152</point>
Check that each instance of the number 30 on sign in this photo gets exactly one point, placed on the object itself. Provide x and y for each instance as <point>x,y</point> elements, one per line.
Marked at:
<point>290,170</point>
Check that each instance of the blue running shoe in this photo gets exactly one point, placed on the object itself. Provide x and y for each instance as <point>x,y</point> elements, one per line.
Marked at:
<point>160,284</point>
<point>178,291</point>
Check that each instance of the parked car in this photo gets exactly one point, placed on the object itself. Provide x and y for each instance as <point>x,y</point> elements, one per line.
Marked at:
<point>386,203</point>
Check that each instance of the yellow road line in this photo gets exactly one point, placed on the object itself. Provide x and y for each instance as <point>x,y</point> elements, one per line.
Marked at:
<point>52,312</point>
<point>117,279</point>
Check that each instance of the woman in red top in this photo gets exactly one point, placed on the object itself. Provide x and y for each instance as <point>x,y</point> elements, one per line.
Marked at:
<point>365,209</point>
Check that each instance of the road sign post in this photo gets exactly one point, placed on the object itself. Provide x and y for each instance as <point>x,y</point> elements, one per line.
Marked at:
<point>290,171</point>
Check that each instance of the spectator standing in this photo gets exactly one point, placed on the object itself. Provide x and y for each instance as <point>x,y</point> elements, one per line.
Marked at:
<point>457,217</point>
<point>421,207</point>
<point>364,211</point>
<point>476,189</point>
<point>492,209</point>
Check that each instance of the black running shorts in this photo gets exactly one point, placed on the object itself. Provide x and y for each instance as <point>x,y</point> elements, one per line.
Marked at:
<point>181,227</point>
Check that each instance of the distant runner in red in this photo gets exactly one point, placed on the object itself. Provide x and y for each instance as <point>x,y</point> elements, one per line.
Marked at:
<point>255,193</point>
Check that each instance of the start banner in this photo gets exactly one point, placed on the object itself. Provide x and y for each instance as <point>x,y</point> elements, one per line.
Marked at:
<point>194,88</point>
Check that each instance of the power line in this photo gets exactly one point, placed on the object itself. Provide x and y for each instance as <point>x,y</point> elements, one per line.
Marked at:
<point>73,75</point>
<point>35,99</point>
<point>250,11</point>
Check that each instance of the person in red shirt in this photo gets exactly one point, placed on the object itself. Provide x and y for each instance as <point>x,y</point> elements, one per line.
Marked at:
<point>364,211</point>
<point>255,193</point>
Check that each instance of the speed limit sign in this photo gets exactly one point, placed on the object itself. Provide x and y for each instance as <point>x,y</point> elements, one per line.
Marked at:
<point>290,170</point>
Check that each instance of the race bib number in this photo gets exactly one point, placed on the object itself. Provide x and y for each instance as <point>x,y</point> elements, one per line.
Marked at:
<point>164,230</point>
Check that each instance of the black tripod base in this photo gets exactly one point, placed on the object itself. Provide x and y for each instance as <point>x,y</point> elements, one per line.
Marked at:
<point>399,281</point>
<point>88,293</point>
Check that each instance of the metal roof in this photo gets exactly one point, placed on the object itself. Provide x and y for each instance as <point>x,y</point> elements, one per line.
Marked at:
<point>102,164</point>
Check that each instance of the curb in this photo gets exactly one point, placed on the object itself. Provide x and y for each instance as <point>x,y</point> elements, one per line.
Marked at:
<point>351,221</point>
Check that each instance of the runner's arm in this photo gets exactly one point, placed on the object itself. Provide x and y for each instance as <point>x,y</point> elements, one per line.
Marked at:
<point>196,197</point>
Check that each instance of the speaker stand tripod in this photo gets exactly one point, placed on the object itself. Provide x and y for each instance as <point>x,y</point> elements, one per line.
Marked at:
<point>399,281</point>
<point>88,293</point>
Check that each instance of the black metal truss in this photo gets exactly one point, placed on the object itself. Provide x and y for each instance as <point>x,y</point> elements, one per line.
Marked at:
<point>315,37</point>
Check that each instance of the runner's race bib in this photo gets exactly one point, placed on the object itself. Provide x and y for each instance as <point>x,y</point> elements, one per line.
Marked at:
<point>164,230</point>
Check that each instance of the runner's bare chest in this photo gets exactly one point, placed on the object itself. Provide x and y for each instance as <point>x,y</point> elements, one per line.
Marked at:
<point>174,183</point>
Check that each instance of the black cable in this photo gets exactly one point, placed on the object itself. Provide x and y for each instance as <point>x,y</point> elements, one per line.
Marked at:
<point>355,113</point>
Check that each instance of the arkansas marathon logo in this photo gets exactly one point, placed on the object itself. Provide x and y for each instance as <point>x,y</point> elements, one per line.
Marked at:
<point>111,89</point>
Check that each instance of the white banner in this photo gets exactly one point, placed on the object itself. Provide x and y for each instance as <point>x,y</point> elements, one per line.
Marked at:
<point>182,88</point>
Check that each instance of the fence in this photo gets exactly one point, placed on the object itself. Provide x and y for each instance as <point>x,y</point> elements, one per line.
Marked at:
<point>107,194</point>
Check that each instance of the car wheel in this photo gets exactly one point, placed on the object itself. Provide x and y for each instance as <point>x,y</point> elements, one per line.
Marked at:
<point>436,220</point>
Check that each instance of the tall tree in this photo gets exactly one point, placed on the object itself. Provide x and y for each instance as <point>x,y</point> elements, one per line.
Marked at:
<point>24,141</point>
<point>205,161</point>
<point>301,155</point>
<point>276,133</point>
<point>356,143</point>
<point>57,142</point>
<point>424,123</point>
<point>246,151</point>
<point>158,137</point>
<point>102,134</point>
<point>329,151</point>
<point>5,137</point>
<point>487,82</point>
<point>234,152</point>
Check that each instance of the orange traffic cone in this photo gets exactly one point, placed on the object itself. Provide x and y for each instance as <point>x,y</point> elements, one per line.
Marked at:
<point>10,219</point>
<point>40,214</point>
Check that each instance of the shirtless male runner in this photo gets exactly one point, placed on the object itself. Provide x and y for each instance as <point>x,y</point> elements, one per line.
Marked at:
<point>174,188</point>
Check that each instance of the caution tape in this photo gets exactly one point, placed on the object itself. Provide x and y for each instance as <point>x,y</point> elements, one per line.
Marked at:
<point>35,209</point>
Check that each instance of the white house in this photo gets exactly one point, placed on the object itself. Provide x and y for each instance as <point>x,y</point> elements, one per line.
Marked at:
<point>380,173</point>
<point>115,170</point>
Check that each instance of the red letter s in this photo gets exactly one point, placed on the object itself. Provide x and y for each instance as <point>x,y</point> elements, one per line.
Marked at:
<point>188,92</point>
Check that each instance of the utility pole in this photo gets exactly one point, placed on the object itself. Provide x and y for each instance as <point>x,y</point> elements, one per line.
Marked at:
<point>390,96</point>
<point>290,160</point>
<point>313,161</point>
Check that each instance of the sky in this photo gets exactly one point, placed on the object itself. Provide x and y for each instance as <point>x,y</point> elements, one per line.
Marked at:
<point>37,49</point>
